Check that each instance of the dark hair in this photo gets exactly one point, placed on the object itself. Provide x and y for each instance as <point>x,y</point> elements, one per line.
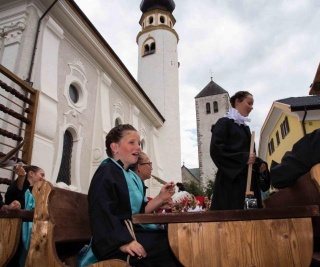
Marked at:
<point>31,168</point>
<point>115,135</point>
<point>238,95</point>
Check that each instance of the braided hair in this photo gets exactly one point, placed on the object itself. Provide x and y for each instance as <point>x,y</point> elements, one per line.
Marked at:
<point>115,135</point>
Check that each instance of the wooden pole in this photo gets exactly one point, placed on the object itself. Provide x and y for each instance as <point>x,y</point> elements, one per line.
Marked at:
<point>248,191</point>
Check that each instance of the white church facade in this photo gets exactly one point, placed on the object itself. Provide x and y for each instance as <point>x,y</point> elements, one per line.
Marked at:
<point>85,89</point>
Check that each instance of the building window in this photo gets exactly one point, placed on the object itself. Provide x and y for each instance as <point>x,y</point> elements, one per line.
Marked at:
<point>271,147</point>
<point>149,48</point>
<point>143,144</point>
<point>64,174</point>
<point>284,126</point>
<point>162,19</point>
<point>215,107</point>
<point>150,20</point>
<point>73,93</point>
<point>117,122</point>
<point>278,138</point>
<point>208,108</point>
<point>152,48</point>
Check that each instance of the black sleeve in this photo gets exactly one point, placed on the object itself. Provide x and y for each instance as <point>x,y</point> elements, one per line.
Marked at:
<point>263,178</point>
<point>14,193</point>
<point>304,155</point>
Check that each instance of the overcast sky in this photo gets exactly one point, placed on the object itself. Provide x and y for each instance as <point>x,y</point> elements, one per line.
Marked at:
<point>268,47</point>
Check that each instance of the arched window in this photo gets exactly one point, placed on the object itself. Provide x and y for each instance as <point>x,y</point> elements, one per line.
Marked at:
<point>215,107</point>
<point>149,47</point>
<point>162,19</point>
<point>150,20</point>
<point>117,122</point>
<point>208,110</point>
<point>64,174</point>
<point>152,48</point>
<point>142,144</point>
<point>146,49</point>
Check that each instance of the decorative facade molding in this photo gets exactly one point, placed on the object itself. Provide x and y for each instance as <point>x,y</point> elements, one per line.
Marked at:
<point>12,32</point>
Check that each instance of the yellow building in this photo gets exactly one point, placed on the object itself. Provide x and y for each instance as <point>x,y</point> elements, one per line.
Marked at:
<point>288,120</point>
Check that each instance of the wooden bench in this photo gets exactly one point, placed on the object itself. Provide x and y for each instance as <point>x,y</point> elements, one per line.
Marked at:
<point>60,228</point>
<point>261,237</point>
<point>282,234</point>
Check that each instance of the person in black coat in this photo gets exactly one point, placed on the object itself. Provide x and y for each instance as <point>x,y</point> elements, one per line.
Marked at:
<point>304,155</point>
<point>115,194</point>
<point>230,151</point>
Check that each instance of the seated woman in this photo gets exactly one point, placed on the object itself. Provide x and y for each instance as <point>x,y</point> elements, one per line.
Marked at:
<point>115,194</point>
<point>21,190</point>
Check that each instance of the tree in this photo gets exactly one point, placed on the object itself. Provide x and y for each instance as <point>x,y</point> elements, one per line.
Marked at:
<point>208,190</point>
<point>193,188</point>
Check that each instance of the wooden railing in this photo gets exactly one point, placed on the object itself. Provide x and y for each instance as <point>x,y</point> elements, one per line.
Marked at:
<point>18,110</point>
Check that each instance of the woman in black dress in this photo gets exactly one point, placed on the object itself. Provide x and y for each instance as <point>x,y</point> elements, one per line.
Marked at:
<point>230,151</point>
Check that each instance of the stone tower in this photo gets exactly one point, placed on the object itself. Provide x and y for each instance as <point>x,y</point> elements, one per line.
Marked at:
<point>159,77</point>
<point>212,103</point>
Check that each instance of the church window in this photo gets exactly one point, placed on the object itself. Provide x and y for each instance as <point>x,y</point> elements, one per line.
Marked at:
<point>152,48</point>
<point>143,144</point>
<point>64,174</point>
<point>73,93</point>
<point>117,122</point>
<point>162,19</point>
<point>149,47</point>
<point>208,109</point>
<point>150,20</point>
<point>215,107</point>
<point>146,50</point>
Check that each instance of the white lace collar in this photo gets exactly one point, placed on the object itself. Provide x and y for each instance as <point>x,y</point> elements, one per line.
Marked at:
<point>237,117</point>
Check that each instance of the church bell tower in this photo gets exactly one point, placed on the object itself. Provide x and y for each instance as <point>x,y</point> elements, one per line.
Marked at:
<point>159,77</point>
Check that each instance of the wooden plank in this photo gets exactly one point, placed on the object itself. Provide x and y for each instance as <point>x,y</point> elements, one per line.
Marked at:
<point>25,215</point>
<point>228,215</point>
<point>281,242</point>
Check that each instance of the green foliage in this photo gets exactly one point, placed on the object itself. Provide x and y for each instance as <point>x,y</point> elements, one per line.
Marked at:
<point>193,188</point>
<point>208,190</point>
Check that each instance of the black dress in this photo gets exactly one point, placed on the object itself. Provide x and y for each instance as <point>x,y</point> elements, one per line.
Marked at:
<point>109,206</point>
<point>304,155</point>
<point>229,150</point>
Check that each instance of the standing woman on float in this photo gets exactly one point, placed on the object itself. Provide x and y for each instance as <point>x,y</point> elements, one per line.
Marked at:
<point>230,152</point>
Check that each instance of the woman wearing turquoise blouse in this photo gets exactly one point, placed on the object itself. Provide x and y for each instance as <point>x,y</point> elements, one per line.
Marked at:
<point>115,194</point>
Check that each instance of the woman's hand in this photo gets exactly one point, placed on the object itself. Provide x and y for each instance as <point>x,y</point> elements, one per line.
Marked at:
<point>167,191</point>
<point>164,195</point>
<point>134,249</point>
<point>20,170</point>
